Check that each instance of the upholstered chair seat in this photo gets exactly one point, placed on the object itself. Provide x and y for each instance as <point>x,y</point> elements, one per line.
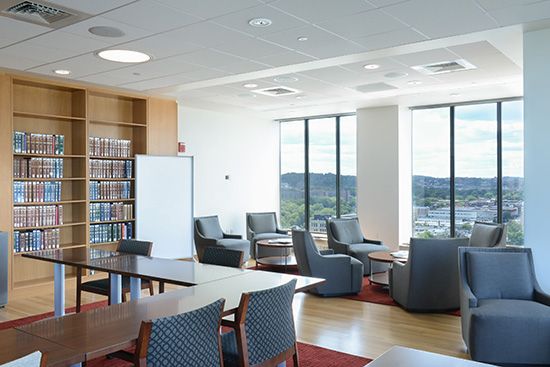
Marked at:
<point>209,233</point>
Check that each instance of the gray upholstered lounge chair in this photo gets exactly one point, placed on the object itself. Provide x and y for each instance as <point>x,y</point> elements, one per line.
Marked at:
<point>263,226</point>
<point>505,314</point>
<point>208,233</point>
<point>345,237</point>
<point>343,273</point>
<point>488,235</point>
<point>428,282</point>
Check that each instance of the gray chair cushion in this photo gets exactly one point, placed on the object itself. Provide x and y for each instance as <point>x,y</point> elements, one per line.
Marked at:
<point>361,252</point>
<point>263,223</point>
<point>234,244</point>
<point>347,231</point>
<point>269,236</point>
<point>485,235</point>
<point>499,275</point>
<point>209,227</point>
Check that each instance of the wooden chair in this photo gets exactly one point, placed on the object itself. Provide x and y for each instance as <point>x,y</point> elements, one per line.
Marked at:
<point>263,330</point>
<point>103,286</point>
<point>185,340</point>
<point>36,359</point>
<point>223,257</point>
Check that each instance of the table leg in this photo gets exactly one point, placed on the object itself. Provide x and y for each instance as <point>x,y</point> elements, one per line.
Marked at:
<point>135,288</point>
<point>116,288</point>
<point>371,273</point>
<point>59,289</point>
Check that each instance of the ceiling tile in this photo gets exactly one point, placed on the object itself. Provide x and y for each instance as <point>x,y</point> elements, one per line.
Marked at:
<point>384,3</point>
<point>79,66</point>
<point>12,31</point>
<point>426,57</point>
<point>500,4</point>
<point>239,20</point>
<point>333,74</point>
<point>207,9</point>
<point>11,61</point>
<point>442,18</point>
<point>205,74</point>
<point>162,82</point>
<point>69,42</point>
<point>91,7</point>
<point>37,52</point>
<point>394,38</point>
<point>104,79</point>
<point>319,10</point>
<point>243,66</point>
<point>522,14</point>
<point>285,58</point>
<point>362,24</point>
<point>251,48</point>
<point>209,58</point>
<point>385,64</point>
<point>207,34</point>
<point>130,32</point>
<point>162,45</point>
<point>151,16</point>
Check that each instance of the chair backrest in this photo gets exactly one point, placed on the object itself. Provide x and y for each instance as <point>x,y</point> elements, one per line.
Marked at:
<point>304,250</point>
<point>209,227</point>
<point>498,273</point>
<point>135,247</point>
<point>222,256</point>
<point>487,235</point>
<point>187,340</point>
<point>345,230</point>
<point>262,222</point>
<point>35,359</point>
<point>268,322</point>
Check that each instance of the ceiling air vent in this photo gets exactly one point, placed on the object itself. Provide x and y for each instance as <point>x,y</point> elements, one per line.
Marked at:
<point>277,91</point>
<point>444,67</point>
<point>40,13</point>
<point>374,87</point>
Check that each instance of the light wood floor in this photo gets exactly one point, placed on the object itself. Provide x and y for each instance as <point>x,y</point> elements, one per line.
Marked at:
<point>348,326</point>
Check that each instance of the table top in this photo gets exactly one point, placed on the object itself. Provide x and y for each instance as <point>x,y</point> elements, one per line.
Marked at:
<point>266,243</point>
<point>406,357</point>
<point>101,331</point>
<point>16,344</point>
<point>384,257</point>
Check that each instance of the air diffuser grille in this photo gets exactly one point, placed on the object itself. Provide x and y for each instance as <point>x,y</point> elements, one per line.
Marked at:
<point>41,13</point>
<point>444,67</point>
<point>277,91</point>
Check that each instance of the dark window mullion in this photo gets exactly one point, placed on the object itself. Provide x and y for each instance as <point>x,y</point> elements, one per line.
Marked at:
<point>338,176</point>
<point>306,174</point>
<point>452,173</point>
<point>499,162</point>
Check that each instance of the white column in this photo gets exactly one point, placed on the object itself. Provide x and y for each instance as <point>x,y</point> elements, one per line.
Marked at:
<point>59,289</point>
<point>116,288</point>
<point>135,288</point>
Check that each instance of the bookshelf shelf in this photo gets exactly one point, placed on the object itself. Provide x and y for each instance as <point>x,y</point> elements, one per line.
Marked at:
<point>33,155</point>
<point>112,200</point>
<point>114,221</point>
<point>120,123</point>
<point>48,227</point>
<point>104,243</point>
<point>47,116</point>
<point>67,246</point>
<point>51,179</point>
<point>112,179</point>
<point>65,202</point>
<point>113,158</point>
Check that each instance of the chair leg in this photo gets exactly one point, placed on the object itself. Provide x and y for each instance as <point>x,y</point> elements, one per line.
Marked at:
<point>151,288</point>
<point>295,356</point>
<point>78,288</point>
<point>161,287</point>
<point>123,296</point>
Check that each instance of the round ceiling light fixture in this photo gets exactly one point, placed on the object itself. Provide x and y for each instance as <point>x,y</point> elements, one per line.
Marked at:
<point>302,38</point>
<point>300,97</point>
<point>62,72</point>
<point>104,31</point>
<point>125,56</point>
<point>371,66</point>
<point>396,75</point>
<point>414,82</point>
<point>260,22</point>
<point>285,79</point>
<point>250,85</point>
<point>454,94</point>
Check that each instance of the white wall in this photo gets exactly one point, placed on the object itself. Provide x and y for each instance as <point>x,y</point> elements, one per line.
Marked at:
<point>536,84</point>
<point>383,174</point>
<point>245,147</point>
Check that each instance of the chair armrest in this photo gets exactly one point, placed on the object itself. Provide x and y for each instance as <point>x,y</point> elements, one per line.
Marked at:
<point>375,242</point>
<point>325,266</point>
<point>282,231</point>
<point>467,296</point>
<point>338,247</point>
<point>327,252</point>
<point>542,297</point>
<point>233,236</point>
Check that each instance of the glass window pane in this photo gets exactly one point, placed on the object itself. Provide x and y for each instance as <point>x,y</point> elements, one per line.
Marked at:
<point>512,170</point>
<point>292,174</point>
<point>322,172</point>
<point>475,166</point>
<point>348,166</point>
<point>431,171</point>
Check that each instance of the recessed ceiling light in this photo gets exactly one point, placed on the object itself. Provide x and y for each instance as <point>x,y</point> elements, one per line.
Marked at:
<point>260,22</point>
<point>302,38</point>
<point>127,56</point>
<point>285,79</point>
<point>104,31</point>
<point>371,66</point>
<point>62,72</point>
<point>454,94</point>
<point>250,85</point>
<point>396,74</point>
<point>300,97</point>
<point>414,82</point>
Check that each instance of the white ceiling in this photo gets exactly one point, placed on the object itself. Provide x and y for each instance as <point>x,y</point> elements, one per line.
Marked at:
<point>204,50</point>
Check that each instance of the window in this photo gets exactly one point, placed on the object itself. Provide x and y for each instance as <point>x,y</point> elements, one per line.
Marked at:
<point>468,166</point>
<point>318,171</point>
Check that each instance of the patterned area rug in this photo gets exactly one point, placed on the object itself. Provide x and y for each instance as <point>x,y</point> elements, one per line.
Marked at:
<point>310,355</point>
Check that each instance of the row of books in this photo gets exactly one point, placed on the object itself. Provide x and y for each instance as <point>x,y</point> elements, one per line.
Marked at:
<point>36,191</point>
<point>37,167</point>
<point>100,212</point>
<point>110,147</point>
<point>100,168</point>
<point>37,216</point>
<point>36,240</point>
<point>101,190</point>
<point>38,143</point>
<point>100,233</point>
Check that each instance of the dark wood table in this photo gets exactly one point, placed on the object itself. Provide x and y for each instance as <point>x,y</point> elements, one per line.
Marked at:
<point>283,260</point>
<point>382,278</point>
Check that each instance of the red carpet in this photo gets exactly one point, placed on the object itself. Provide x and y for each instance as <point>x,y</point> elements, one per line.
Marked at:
<point>310,355</point>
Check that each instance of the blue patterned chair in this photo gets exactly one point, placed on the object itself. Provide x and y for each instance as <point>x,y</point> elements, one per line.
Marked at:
<point>209,233</point>
<point>35,359</point>
<point>103,286</point>
<point>264,332</point>
<point>223,257</point>
<point>263,226</point>
<point>505,314</point>
<point>187,340</point>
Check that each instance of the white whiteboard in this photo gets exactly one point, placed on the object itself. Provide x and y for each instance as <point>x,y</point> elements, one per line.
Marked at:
<point>164,204</point>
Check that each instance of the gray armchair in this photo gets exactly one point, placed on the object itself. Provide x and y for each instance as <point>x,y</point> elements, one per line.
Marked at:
<point>208,233</point>
<point>505,315</point>
<point>343,273</point>
<point>428,282</point>
<point>345,237</point>
<point>488,235</point>
<point>263,226</point>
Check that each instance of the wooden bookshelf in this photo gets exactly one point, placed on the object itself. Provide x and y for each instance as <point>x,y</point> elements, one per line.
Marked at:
<point>78,112</point>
